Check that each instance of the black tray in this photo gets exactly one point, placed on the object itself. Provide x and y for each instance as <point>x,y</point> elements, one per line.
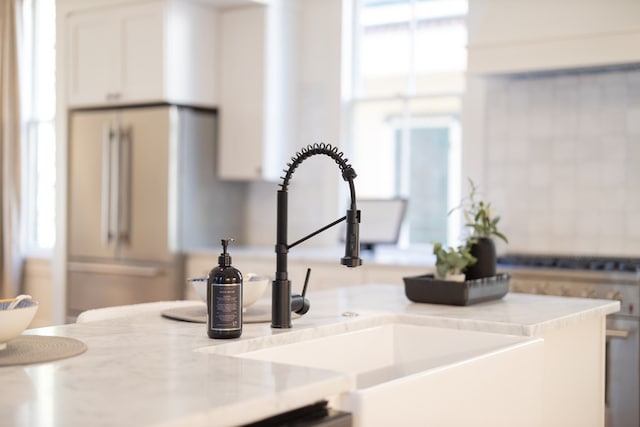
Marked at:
<point>428,289</point>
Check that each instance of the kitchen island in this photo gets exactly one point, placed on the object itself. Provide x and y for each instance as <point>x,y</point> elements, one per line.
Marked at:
<point>146,370</point>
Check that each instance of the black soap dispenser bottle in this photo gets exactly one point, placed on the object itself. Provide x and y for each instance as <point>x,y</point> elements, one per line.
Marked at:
<point>224,298</point>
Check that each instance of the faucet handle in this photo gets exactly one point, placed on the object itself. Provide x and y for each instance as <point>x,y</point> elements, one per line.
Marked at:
<point>300,304</point>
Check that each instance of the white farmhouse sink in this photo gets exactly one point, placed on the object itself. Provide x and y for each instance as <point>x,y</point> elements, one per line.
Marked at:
<point>418,375</point>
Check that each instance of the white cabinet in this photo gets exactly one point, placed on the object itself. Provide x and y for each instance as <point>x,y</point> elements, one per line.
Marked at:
<point>256,78</point>
<point>157,51</point>
<point>534,35</point>
<point>242,93</point>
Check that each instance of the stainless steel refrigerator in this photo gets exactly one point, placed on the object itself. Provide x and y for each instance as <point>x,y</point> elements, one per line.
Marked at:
<point>142,192</point>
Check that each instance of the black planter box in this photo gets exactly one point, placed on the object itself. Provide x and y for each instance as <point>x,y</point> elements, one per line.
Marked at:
<point>430,290</point>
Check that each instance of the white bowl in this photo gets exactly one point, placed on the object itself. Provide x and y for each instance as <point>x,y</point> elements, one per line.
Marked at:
<point>13,322</point>
<point>253,288</point>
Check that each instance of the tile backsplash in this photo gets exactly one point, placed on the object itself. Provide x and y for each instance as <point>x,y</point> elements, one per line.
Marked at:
<point>562,161</point>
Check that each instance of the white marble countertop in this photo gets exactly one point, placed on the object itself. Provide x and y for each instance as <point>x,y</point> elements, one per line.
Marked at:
<point>146,370</point>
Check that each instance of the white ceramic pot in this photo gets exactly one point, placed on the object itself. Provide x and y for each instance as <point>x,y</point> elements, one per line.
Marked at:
<point>460,277</point>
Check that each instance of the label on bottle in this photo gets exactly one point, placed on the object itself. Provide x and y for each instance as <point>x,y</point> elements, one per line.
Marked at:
<point>226,300</point>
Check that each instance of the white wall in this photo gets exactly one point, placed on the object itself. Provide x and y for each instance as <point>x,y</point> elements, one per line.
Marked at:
<point>558,155</point>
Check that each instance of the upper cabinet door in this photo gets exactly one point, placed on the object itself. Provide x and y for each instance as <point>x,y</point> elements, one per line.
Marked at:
<point>532,35</point>
<point>258,86</point>
<point>93,57</point>
<point>242,93</point>
<point>159,51</point>
<point>141,30</point>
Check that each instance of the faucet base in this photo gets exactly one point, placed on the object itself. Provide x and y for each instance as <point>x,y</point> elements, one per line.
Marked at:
<point>281,304</point>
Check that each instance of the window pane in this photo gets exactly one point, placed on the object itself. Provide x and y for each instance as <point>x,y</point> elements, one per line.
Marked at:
<point>406,149</point>
<point>405,131</point>
<point>441,36</point>
<point>39,144</point>
<point>44,60</point>
<point>440,47</point>
<point>45,233</point>
<point>406,47</point>
<point>374,132</point>
<point>427,150</point>
<point>383,48</point>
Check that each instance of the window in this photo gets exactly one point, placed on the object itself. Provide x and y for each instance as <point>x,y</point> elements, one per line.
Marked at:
<point>39,143</point>
<point>404,103</point>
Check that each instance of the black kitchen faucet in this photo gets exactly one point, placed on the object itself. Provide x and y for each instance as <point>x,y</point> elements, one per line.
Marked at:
<point>282,301</point>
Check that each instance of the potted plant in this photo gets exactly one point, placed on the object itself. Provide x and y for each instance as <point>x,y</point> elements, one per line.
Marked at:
<point>452,286</point>
<point>452,262</point>
<point>466,273</point>
<point>484,227</point>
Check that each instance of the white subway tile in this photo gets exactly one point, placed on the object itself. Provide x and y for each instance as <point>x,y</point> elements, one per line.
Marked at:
<point>562,224</point>
<point>563,150</point>
<point>633,121</point>
<point>518,151</point>
<point>585,245</point>
<point>587,223</point>
<point>612,224</point>
<point>563,245</point>
<point>588,175</point>
<point>610,246</point>
<point>633,224</point>
<point>631,247</point>
<point>540,243</point>
<point>586,199</point>
<point>614,148</point>
<point>613,175</point>
<point>562,200</point>
<point>574,150</point>
<point>589,149</point>
<point>540,175</point>
<point>613,199</point>
<point>563,175</point>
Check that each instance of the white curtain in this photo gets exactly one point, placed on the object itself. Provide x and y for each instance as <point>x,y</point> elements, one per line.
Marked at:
<point>10,259</point>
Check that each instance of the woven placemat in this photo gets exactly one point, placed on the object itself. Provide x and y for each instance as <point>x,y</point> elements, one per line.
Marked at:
<point>258,313</point>
<point>195,314</point>
<point>28,349</point>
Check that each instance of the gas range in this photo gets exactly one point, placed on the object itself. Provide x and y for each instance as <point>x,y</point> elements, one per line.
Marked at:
<point>579,276</point>
<point>581,262</point>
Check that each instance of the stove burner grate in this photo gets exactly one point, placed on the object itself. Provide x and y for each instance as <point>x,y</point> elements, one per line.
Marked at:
<point>581,262</point>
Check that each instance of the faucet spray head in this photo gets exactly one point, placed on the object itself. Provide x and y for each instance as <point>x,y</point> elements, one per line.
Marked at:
<point>352,241</point>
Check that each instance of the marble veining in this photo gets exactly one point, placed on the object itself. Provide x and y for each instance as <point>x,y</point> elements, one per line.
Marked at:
<point>146,370</point>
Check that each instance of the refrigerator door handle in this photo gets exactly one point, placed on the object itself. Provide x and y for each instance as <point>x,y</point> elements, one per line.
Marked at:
<point>114,194</point>
<point>107,138</point>
<point>124,185</point>
<point>130,270</point>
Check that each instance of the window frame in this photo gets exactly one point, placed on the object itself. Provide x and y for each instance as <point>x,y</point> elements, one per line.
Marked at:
<point>353,97</point>
<point>32,121</point>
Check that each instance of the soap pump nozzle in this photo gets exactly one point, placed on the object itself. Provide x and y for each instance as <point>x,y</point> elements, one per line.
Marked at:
<point>224,260</point>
